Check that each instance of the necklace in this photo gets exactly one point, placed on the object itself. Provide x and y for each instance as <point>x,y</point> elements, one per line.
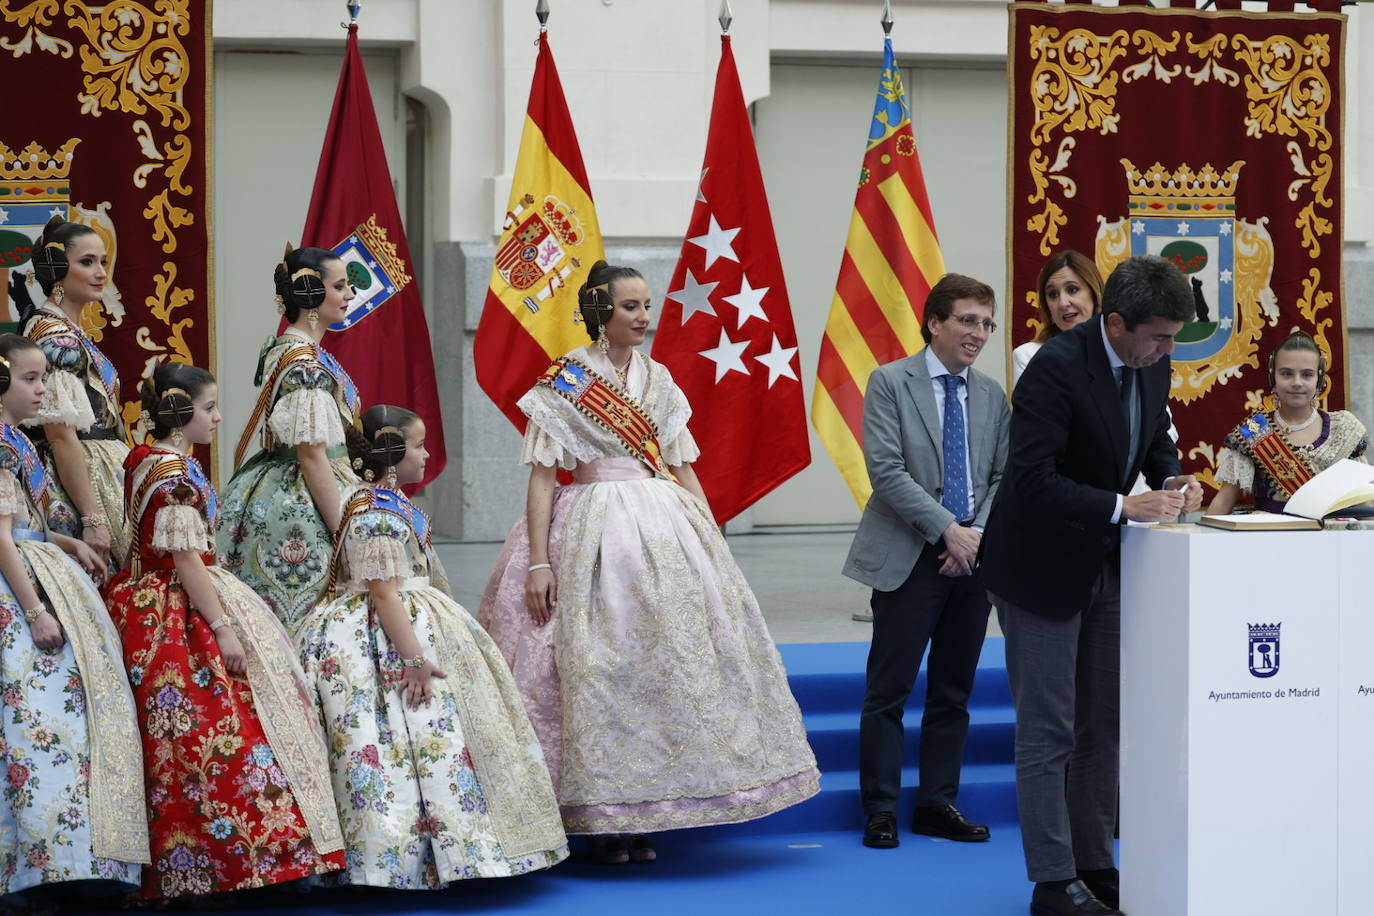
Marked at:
<point>623,373</point>
<point>1296,427</point>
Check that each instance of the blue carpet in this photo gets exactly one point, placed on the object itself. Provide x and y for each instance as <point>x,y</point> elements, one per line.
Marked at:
<point>805,860</point>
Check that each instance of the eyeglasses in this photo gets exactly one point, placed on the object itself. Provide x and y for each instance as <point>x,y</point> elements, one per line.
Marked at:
<point>973,321</point>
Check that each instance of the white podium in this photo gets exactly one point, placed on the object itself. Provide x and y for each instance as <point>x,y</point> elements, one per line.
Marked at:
<point>1247,722</point>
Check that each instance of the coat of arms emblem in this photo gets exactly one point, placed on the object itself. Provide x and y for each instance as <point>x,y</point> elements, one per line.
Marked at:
<point>1264,649</point>
<point>536,255</point>
<point>1189,217</point>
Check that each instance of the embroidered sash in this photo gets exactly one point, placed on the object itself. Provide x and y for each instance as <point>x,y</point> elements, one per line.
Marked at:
<point>47,324</point>
<point>1268,447</point>
<point>148,469</point>
<point>397,504</point>
<point>34,477</point>
<point>297,353</point>
<point>608,408</point>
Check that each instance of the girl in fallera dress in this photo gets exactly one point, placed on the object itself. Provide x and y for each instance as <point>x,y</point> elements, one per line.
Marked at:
<point>644,662</point>
<point>281,507</point>
<point>437,773</point>
<point>72,806</point>
<point>79,430</point>
<point>238,788</point>
<point>1298,376</point>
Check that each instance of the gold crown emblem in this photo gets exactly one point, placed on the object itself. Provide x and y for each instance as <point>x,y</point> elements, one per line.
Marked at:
<point>562,222</point>
<point>1157,189</point>
<point>35,162</point>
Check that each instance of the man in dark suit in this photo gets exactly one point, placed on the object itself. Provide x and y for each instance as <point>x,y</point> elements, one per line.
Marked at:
<point>935,442</point>
<point>1088,415</point>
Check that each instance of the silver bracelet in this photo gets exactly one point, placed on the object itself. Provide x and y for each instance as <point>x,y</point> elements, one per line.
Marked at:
<point>540,566</point>
<point>416,662</point>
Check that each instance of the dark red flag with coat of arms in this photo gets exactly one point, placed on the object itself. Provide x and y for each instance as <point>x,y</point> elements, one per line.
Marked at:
<point>726,331</point>
<point>383,341</point>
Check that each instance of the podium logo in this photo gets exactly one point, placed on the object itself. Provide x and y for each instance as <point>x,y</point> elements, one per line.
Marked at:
<point>1264,649</point>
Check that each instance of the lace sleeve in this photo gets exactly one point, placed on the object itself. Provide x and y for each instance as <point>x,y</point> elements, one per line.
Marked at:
<point>10,499</point>
<point>180,527</point>
<point>377,547</point>
<point>64,401</point>
<point>305,410</point>
<point>682,450</point>
<point>1233,467</point>
<point>541,448</point>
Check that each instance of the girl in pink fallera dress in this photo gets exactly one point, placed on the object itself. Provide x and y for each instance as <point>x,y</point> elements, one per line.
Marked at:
<point>645,665</point>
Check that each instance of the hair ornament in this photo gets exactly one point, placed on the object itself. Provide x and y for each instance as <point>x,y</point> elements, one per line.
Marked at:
<point>50,260</point>
<point>281,304</point>
<point>307,288</point>
<point>175,408</point>
<point>388,446</point>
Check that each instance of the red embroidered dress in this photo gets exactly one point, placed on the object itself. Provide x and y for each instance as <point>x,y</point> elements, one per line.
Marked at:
<point>238,783</point>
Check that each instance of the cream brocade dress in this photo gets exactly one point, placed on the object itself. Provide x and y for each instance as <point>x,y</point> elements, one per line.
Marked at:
<point>453,790</point>
<point>656,690</point>
<point>1342,436</point>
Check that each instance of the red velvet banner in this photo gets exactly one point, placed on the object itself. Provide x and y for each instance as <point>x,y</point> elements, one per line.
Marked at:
<point>1210,138</point>
<point>107,123</point>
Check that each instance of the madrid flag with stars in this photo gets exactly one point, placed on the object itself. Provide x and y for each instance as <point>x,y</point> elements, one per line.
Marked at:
<point>726,330</point>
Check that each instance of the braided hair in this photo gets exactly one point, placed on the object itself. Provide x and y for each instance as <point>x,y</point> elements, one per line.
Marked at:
<point>596,297</point>
<point>169,395</point>
<point>381,444</point>
<point>299,279</point>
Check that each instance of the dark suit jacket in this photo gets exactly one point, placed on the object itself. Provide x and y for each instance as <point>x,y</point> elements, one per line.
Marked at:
<point>1050,531</point>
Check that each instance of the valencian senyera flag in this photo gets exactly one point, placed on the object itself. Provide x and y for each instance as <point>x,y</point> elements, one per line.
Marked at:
<point>1211,138</point>
<point>891,260</point>
<point>383,339</point>
<point>549,242</point>
<point>106,124</point>
<point>726,332</point>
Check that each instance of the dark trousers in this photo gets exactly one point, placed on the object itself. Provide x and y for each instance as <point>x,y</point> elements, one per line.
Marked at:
<point>951,614</point>
<point>1066,683</point>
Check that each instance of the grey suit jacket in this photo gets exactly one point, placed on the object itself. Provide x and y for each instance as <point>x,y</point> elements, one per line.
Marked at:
<point>904,452</point>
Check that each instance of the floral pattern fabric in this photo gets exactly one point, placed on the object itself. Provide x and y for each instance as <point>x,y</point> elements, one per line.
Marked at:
<point>420,799</point>
<point>223,813</point>
<point>271,535</point>
<point>46,829</point>
<point>1342,436</point>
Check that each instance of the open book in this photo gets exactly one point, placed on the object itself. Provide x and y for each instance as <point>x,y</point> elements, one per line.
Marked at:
<point>1346,483</point>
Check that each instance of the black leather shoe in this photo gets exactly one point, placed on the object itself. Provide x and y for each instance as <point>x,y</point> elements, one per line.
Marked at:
<point>946,821</point>
<point>1105,883</point>
<point>1074,899</point>
<point>881,831</point>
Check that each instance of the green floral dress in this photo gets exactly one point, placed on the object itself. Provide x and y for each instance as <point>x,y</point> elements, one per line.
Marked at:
<point>271,534</point>
<point>455,789</point>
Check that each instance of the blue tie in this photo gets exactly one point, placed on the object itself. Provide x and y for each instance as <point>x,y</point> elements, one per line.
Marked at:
<point>955,493</point>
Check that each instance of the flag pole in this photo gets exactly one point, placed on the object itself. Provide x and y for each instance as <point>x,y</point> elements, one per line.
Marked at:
<point>887,19</point>
<point>725,17</point>
<point>541,11</point>
<point>354,8</point>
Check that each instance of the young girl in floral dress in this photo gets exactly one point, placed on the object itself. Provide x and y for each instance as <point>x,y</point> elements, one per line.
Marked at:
<point>237,777</point>
<point>437,773</point>
<point>72,807</point>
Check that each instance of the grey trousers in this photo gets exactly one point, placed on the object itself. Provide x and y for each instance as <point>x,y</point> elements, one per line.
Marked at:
<point>1066,683</point>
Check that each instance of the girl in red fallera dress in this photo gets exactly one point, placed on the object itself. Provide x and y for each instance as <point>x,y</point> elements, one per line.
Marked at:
<point>238,784</point>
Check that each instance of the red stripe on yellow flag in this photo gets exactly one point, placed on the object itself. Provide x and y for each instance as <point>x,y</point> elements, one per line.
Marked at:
<point>549,242</point>
<point>891,259</point>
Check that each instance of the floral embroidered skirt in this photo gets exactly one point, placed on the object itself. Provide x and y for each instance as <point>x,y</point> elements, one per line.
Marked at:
<point>273,538</point>
<point>222,814</point>
<point>656,689</point>
<point>456,789</point>
<point>45,817</point>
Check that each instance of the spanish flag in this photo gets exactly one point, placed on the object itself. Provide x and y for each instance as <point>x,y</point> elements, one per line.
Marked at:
<point>891,260</point>
<point>549,241</point>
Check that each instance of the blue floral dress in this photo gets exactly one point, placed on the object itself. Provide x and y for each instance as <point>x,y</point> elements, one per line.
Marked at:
<point>271,534</point>
<point>72,766</point>
<point>456,789</point>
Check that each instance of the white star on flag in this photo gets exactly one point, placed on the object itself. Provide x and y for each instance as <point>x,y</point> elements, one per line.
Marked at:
<point>1225,229</point>
<point>779,361</point>
<point>701,196</point>
<point>726,355</point>
<point>57,211</point>
<point>695,297</point>
<point>717,243</point>
<point>1183,228</point>
<point>748,301</point>
<point>1225,323</point>
<point>4,215</point>
<point>1138,227</point>
<point>1225,276</point>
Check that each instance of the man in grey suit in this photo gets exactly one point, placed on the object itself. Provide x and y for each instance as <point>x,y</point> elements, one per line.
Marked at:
<point>935,443</point>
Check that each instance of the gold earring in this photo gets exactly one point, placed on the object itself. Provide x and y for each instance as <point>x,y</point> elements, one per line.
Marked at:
<point>314,319</point>
<point>59,292</point>
<point>390,482</point>
<point>602,343</point>
<point>177,437</point>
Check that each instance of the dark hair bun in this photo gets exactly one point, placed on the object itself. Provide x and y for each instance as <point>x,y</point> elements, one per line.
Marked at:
<point>49,257</point>
<point>168,397</point>
<point>174,409</point>
<point>388,447</point>
<point>4,375</point>
<point>307,288</point>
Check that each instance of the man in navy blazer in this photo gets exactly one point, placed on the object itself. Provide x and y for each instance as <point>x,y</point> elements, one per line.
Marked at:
<point>935,441</point>
<point>1089,415</point>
